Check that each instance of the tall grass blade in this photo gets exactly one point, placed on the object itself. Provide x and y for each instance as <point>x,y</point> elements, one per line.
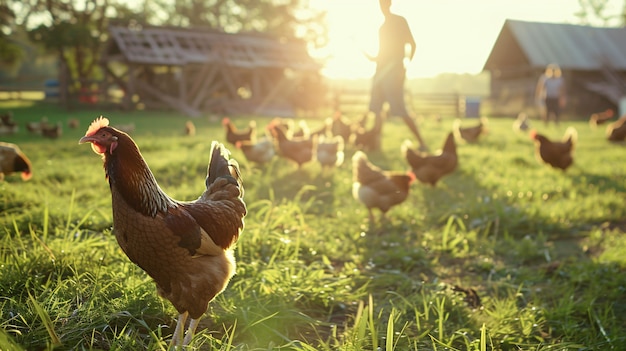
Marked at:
<point>389,346</point>
<point>45,320</point>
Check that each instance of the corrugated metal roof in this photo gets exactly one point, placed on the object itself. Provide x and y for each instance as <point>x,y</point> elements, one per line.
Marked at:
<point>178,46</point>
<point>571,46</point>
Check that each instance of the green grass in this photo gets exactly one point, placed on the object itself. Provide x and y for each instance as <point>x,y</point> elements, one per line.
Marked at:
<point>543,249</point>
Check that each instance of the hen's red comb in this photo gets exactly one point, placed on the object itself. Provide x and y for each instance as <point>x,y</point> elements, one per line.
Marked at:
<point>96,125</point>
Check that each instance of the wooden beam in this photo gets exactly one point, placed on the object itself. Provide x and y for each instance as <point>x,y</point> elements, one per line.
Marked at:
<point>204,90</point>
<point>127,102</point>
<point>170,100</point>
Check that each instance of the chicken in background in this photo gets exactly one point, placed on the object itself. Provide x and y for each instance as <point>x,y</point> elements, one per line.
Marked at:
<point>233,134</point>
<point>6,119</point>
<point>322,130</point>
<point>190,128</point>
<point>438,119</point>
<point>469,134</point>
<point>521,123</point>
<point>369,139</point>
<point>429,168</point>
<point>259,152</point>
<point>8,129</point>
<point>286,124</point>
<point>13,160</point>
<point>186,247</point>
<point>558,154</point>
<point>73,123</point>
<point>37,127</point>
<point>600,117</point>
<point>361,122</point>
<point>341,127</point>
<point>303,130</point>
<point>52,132</point>
<point>8,125</point>
<point>377,188</point>
<point>298,150</point>
<point>616,131</point>
<point>330,151</point>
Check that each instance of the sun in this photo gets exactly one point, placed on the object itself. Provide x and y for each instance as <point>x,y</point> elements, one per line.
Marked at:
<point>452,36</point>
<point>352,31</point>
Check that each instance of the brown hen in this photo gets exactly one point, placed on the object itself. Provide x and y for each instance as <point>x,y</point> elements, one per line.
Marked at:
<point>600,117</point>
<point>233,135</point>
<point>13,160</point>
<point>616,131</point>
<point>341,126</point>
<point>298,150</point>
<point>330,151</point>
<point>186,247</point>
<point>558,154</point>
<point>469,134</point>
<point>430,168</point>
<point>377,188</point>
<point>369,139</point>
<point>259,152</point>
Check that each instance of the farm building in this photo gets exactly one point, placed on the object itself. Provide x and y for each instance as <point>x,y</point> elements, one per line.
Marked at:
<point>199,70</point>
<point>593,61</point>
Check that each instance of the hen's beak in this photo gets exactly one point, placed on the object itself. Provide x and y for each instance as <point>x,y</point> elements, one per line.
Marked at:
<point>86,139</point>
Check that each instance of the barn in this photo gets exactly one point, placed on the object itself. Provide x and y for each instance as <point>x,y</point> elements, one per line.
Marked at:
<point>203,70</point>
<point>593,61</point>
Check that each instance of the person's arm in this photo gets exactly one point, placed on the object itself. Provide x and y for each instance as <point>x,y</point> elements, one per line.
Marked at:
<point>539,88</point>
<point>562,94</point>
<point>411,41</point>
<point>369,57</point>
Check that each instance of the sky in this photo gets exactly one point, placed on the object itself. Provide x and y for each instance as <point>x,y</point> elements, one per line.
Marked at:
<point>452,36</point>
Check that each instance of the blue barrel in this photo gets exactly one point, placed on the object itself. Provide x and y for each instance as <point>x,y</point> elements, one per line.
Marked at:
<point>472,107</point>
<point>51,88</point>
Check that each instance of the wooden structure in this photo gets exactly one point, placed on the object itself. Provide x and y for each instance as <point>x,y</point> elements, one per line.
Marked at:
<point>593,61</point>
<point>198,70</point>
<point>356,101</point>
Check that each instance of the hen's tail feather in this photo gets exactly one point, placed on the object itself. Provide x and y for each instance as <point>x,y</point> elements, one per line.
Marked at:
<point>362,170</point>
<point>456,128</point>
<point>449,145</point>
<point>571,135</point>
<point>221,166</point>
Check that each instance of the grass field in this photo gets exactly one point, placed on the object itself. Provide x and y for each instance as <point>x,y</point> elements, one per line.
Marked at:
<point>543,250</point>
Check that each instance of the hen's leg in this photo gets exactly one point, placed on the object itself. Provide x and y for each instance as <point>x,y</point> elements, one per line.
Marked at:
<point>193,324</point>
<point>383,218</point>
<point>177,337</point>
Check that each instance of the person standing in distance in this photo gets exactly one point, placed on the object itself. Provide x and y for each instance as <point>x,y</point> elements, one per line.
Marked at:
<point>551,92</point>
<point>388,81</point>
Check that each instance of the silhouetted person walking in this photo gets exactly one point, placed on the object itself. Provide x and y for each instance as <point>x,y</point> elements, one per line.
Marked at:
<point>551,93</point>
<point>388,82</point>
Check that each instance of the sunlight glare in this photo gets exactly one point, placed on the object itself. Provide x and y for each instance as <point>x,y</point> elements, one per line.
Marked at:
<point>452,36</point>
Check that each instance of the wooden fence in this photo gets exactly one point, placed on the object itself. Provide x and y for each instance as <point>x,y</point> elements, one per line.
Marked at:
<point>443,104</point>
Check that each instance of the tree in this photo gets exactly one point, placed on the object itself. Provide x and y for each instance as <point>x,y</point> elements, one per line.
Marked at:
<point>10,52</point>
<point>280,18</point>
<point>596,11</point>
<point>77,29</point>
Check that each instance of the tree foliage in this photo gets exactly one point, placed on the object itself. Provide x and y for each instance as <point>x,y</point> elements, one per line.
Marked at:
<point>76,30</point>
<point>599,12</point>
<point>280,18</point>
<point>10,52</point>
